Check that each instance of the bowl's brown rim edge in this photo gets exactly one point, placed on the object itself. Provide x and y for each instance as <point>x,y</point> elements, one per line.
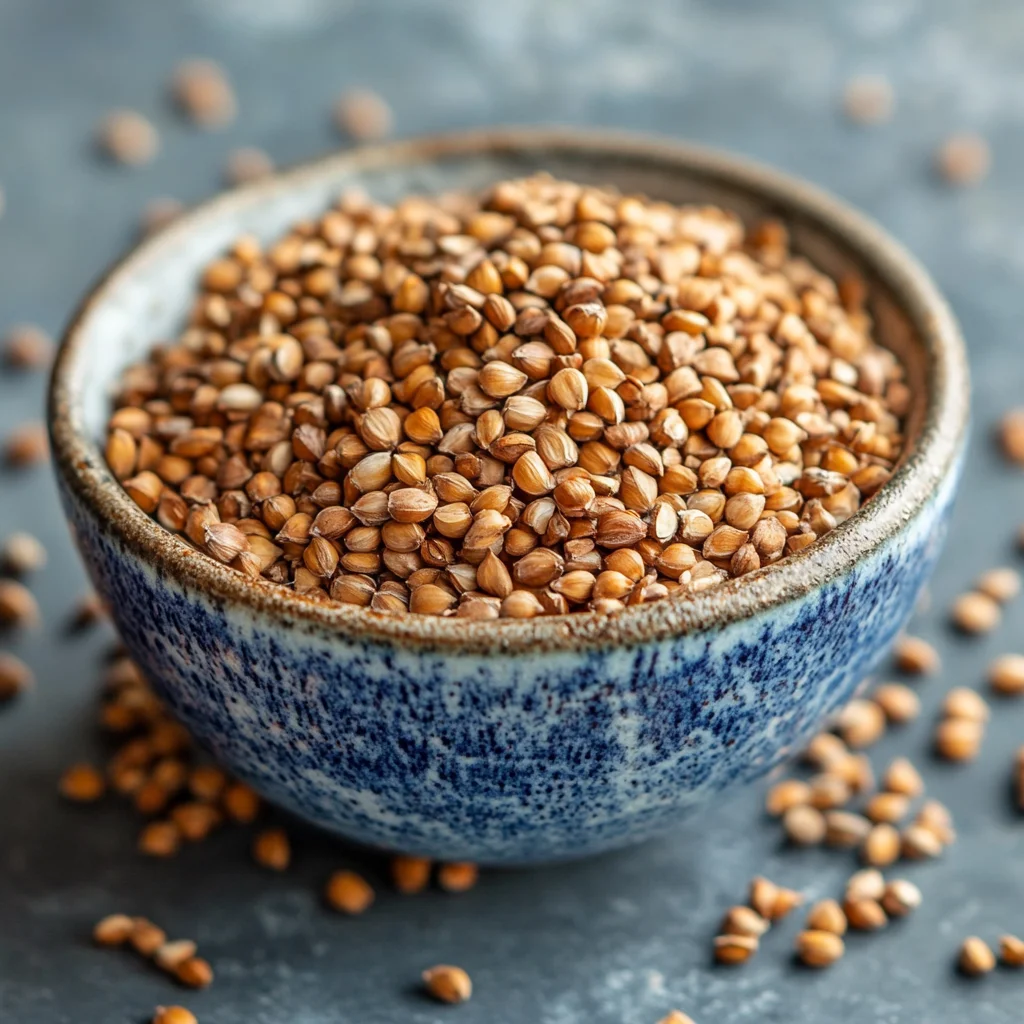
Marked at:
<point>78,460</point>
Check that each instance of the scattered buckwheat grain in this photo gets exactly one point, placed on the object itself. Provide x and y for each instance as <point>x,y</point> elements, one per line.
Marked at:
<point>1002,584</point>
<point>975,957</point>
<point>27,347</point>
<point>457,877</point>
<point>935,818</point>
<point>203,92</point>
<point>866,884</point>
<point>1011,951</point>
<point>829,790</point>
<point>247,164</point>
<point>865,915</point>
<point>194,972</point>
<point>901,897</point>
<point>146,937</point>
<point>804,826</point>
<point>160,212</point>
<point>902,777</point>
<point>83,784</point>
<point>195,820</point>
<point>207,782</point>
<point>676,1017</point>
<point>827,916</point>
<point>861,724</point>
<point>113,930</point>
<point>771,901</point>
<point>741,920</point>
<point>27,445</point>
<point>15,676</point>
<point>965,703</point>
<point>958,739</point>
<point>881,846</point>
<point>1011,434</point>
<point>916,656</point>
<point>348,893</point>
<point>787,794</point>
<point>845,829</point>
<point>868,99</point>
<point>1006,675</point>
<point>975,613</point>
<point>856,771</point>
<point>919,843</point>
<point>271,849</point>
<point>735,949</point>
<point>22,553</point>
<point>899,703</point>
<point>480,409</point>
<point>174,1015</point>
<point>240,803</point>
<point>128,138</point>
<point>887,807</point>
<point>817,948</point>
<point>363,115</point>
<point>410,874</point>
<point>825,751</point>
<point>160,839</point>
<point>89,610</point>
<point>964,159</point>
<point>448,984</point>
<point>171,955</point>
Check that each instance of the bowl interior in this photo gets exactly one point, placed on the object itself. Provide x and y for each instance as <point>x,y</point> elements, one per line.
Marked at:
<point>146,298</point>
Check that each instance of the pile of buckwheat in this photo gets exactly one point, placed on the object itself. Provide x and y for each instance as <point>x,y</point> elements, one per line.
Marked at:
<point>550,399</point>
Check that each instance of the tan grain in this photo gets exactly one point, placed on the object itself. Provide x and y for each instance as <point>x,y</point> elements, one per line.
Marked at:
<point>975,958</point>
<point>819,948</point>
<point>448,984</point>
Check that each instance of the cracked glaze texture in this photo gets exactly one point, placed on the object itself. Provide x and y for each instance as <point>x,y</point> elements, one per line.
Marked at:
<point>514,757</point>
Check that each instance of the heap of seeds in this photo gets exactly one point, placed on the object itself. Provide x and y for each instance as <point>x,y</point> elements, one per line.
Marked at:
<point>557,399</point>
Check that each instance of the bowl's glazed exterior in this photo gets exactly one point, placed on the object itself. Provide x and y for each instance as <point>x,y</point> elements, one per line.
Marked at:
<point>511,741</point>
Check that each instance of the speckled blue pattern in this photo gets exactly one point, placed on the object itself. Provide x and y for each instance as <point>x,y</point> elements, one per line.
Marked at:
<point>513,758</point>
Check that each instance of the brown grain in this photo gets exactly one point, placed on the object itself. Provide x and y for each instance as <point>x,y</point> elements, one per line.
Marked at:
<point>963,159</point>
<point>362,115</point>
<point>348,893</point>
<point>271,849</point>
<point>975,958</point>
<point>247,164</point>
<point>868,99</point>
<point>174,1015</point>
<point>448,984</point>
<point>819,948</point>
<point>27,445</point>
<point>203,92</point>
<point>827,916</point>
<point>1006,675</point>
<point>27,347</point>
<point>975,613</point>
<point>735,949</point>
<point>127,137</point>
<point>15,676</point>
<point>470,407</point>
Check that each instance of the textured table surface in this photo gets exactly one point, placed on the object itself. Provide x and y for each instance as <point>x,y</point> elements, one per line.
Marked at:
<point>621,939</point>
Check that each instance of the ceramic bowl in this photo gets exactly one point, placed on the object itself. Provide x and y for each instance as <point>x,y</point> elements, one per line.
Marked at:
<point>509,741</point>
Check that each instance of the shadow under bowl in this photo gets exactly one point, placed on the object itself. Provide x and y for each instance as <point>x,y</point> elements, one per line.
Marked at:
<point>528,740</point>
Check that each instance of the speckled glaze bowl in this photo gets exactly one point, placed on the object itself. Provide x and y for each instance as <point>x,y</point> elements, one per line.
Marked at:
<point>510,741</point>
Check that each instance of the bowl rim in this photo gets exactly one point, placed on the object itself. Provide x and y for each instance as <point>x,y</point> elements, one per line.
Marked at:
<point>82,467</point>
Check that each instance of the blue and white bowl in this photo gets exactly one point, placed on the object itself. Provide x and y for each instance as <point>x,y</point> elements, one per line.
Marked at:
<point>518,740</point>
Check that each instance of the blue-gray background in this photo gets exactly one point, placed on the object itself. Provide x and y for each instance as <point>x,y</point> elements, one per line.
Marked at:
<point>621,939</point>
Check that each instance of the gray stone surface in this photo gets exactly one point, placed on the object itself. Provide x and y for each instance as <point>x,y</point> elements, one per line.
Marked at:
<point>617,940</point>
